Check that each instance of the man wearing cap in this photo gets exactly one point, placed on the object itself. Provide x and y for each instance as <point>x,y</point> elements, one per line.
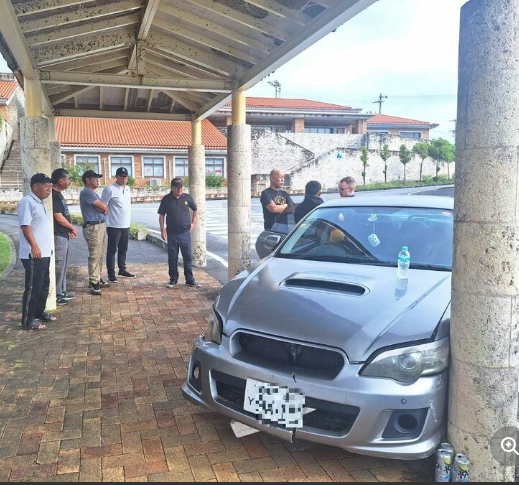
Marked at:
<point>64,230</point>
<point>94,213</point>
<point>35,252</point>
<point>118,198</point>
<point>175,210</point>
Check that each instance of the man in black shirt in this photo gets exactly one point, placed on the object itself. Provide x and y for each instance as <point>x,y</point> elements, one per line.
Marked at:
<point>277,204</point>
<point>63,231</point>
<point>175,210</point>
<point>312,200</point>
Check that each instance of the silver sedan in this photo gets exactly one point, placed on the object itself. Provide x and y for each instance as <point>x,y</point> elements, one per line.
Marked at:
<point>321,341</point>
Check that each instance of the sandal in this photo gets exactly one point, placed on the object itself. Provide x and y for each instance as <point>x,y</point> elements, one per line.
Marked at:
<point>37,325</point>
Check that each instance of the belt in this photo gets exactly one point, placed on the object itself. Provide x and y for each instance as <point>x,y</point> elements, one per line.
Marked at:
<point>93,223</point>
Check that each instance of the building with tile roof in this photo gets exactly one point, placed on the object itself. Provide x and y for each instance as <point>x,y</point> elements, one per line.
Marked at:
<point>404,127</point>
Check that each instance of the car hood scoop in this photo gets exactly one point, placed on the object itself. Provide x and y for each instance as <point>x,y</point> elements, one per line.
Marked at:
<point>324,282</point>
<point>358,309</point>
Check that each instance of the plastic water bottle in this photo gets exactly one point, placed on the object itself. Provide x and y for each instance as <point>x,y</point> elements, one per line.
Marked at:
<point>404,261</point>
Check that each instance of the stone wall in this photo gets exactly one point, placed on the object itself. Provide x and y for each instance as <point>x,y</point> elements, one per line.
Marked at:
<point>319,144</point>
<point>6,140</point>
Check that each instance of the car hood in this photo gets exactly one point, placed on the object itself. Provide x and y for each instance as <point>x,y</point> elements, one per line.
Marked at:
<point>357,308</point>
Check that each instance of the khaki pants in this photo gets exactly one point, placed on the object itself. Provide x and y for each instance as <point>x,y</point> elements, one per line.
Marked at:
<point>95,237</point>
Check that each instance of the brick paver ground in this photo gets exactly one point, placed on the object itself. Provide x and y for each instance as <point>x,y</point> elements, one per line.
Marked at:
<point>97,397</point>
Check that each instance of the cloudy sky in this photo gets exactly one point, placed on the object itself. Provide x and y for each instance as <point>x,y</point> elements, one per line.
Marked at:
<point>405,49</point>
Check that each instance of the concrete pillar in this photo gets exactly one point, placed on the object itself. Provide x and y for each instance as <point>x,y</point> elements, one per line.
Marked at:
<point>239,159</point>
<point>484,336</point>
<point>36,159</point>
<point>196,155</point>
<point>55,155</point>
<point>33,98</point>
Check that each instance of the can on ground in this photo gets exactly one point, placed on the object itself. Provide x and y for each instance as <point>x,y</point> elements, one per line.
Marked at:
<point>461,469</point>
<point>444,460</point>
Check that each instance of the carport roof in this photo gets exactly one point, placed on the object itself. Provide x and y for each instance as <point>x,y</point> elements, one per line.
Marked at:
<point>158,59</point>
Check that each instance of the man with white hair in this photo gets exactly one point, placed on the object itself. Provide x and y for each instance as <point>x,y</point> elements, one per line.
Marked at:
<point>277,204</point>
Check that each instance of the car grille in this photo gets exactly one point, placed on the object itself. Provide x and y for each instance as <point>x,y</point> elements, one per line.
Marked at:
<point>328,416</point>
<point>297,358</point>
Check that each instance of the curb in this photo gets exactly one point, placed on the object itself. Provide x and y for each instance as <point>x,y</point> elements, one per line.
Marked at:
<point>12,263</point>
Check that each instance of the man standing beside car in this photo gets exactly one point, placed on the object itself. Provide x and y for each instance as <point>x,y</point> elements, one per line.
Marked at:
<point>277,204</point>
<point>312,200</point>
<point>118,198</point>
<point>347,187</point>
<point>64,230</point>
<point>175,210</point>
<point>94,213</point>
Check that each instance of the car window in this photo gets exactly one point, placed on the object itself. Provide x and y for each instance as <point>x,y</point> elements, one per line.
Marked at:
<point>374,235</point>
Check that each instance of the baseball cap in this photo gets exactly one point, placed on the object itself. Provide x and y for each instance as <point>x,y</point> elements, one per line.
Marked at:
<point>90,174</point>
<point>40,178</point>
<point>177,182</point>
<point>122,172</point>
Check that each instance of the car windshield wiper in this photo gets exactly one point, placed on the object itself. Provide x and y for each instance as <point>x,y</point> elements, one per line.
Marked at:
<point>334,259</point>
<point>432,267</point>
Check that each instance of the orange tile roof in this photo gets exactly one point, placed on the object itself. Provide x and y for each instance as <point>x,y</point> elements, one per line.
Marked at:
<point>7,89</point>
<point>283,103</point>
<point>395,120</point>
<point>144,134</point>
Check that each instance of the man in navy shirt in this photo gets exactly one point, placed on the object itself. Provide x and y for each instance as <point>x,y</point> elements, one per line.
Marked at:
<point>312,200</point>
<point>175,209</point>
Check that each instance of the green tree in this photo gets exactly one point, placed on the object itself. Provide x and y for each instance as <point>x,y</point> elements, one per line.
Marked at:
<point>364,157</point>
<point>442,151</point>
<point>422,150</point>
<point>385,155</point>
<point>405,157</point>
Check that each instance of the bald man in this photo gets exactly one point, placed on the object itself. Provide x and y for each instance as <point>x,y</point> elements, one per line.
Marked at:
<point>277,204</point>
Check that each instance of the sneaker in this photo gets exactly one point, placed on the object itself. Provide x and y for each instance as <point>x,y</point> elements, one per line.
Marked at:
<point>67,296</point>
<point>126,274</point>
<point>95,288</point>
<point>113,279</point>
<point>193,284</point>
<point>61,301</point>
<point>172,284</point>
<point>104,284</point>
<point>47,317</point>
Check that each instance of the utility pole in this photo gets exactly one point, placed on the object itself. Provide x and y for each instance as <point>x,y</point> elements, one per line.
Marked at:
<point>380,101</point>
<point>277,86</point>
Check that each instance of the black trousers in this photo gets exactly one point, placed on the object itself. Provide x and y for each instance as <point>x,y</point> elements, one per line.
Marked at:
<point>182,242</point>
<point>37,283</point>
<point>117,244</point>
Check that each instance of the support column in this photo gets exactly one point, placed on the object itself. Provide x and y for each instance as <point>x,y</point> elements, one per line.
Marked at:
<point>34,137</point>
<point>55,146</point>
<point>239,170</point>
<point>196,155</point>
<point>484,333</point>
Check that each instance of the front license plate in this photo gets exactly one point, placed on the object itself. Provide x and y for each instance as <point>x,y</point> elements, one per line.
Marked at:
<point>275,404</point>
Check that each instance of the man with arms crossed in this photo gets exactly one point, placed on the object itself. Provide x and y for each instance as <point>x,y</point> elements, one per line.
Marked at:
<point>35,252</point>
<point>175,209</point>
<point>277,204</point>
<point>94,229</point>
<point>118,198</point>
<point>64,230</point>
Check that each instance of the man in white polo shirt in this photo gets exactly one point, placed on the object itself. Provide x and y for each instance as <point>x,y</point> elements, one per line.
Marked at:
<point>118,198</point>
<point>36,239</point>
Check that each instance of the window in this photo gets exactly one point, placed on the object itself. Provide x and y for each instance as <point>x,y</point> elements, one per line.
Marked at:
<point>63,160</point>
<point>411,134</point>
<point>212,165</point>
<point>118,162</point>
<point>181,167</point>
<point>340,131</point>
<point>376,132</point>
<point>87,162</point>
<point>215,166</point>
<point>320,130</point>
<point>153,167</point>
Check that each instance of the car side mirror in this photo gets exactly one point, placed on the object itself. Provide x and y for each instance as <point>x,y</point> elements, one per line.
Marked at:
<point>272,242</point>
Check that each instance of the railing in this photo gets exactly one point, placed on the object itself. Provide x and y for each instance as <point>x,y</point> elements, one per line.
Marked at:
<point>11,180</point>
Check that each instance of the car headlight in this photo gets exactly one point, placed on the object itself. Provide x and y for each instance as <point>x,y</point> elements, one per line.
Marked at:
<point>215,328</point>
<point>410,363</point>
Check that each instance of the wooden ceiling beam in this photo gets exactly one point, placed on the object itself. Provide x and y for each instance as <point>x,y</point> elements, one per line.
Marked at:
<point>89,13</point>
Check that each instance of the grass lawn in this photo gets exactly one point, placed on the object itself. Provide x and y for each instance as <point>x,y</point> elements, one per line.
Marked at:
<point>5,253</point>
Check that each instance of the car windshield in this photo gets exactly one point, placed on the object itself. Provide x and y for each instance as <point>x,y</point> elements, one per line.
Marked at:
<point>374,235</point>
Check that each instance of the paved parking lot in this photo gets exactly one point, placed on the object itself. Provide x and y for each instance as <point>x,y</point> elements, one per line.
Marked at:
<point>96,397</point>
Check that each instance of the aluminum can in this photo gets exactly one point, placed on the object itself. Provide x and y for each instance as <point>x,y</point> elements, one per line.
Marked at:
<point>444,459</point>
<point>461,469</point>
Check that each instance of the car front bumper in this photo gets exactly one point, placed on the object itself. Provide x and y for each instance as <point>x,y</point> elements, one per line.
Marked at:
<point>371,405</point>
